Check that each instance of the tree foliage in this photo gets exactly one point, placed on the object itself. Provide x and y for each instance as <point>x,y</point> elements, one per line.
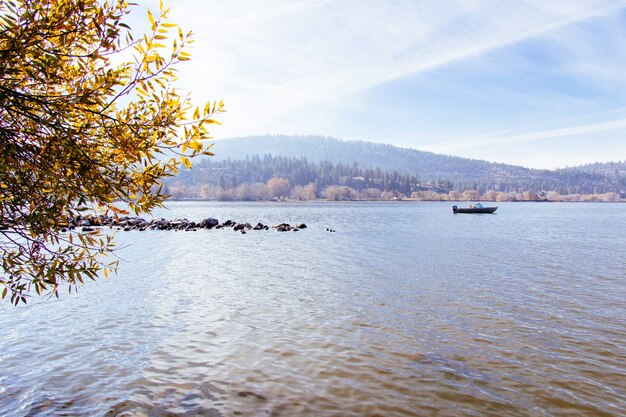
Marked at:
<point>596,179</point>
<point>89,118</point>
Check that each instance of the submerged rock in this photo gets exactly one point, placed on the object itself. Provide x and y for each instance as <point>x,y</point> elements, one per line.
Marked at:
<point>283,227</point>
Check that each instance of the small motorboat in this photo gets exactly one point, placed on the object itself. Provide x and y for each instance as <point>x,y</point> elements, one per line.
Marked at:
<point>478,208</point>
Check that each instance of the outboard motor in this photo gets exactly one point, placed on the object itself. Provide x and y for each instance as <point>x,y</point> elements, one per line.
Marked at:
<point>454,209</point>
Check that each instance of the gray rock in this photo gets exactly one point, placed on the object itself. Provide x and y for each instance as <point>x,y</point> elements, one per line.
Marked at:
<point>209,223</point>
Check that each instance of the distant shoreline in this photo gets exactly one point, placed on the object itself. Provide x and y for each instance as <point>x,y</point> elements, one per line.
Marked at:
<point>400,200</point>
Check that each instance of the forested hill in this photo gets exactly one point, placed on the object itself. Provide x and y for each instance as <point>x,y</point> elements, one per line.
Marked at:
<point>426,166</point>
<point>267,167</point>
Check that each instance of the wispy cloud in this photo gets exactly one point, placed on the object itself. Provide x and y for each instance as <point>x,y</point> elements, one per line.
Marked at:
<point>506,138</point>
<point>593,53</point>
<point>276,61</point>
<point>293,55</point>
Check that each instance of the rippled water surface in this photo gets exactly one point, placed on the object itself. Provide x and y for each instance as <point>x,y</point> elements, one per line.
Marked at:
<point>406,310</point>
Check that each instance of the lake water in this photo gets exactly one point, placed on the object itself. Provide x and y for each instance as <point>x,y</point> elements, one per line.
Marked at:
<point>406,310</point>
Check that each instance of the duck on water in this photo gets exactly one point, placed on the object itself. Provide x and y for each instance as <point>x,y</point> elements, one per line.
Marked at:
<point>477,208</point>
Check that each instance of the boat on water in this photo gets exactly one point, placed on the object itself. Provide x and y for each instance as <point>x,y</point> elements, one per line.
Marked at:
<point>478,208</point>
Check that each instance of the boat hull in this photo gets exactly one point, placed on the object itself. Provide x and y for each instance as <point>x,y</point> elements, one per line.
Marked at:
<point>456,210</point>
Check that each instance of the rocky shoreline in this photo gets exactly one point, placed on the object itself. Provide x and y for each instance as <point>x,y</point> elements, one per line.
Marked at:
<point>90,223</point>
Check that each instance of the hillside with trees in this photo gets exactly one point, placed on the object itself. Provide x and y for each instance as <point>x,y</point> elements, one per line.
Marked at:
<point>316,167</point>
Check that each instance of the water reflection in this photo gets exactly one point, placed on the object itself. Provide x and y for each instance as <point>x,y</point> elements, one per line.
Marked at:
<point>406,310</point>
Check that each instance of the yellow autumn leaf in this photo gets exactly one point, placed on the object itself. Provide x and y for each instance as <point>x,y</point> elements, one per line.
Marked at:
<point>186,161</point>
<point>195,145</point>
<point>151,18</point>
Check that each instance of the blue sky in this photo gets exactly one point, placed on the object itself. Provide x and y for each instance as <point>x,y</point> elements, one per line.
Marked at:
<point>531,82</point>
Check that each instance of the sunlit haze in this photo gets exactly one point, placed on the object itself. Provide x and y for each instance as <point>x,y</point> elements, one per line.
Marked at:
<point>533,83</point>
